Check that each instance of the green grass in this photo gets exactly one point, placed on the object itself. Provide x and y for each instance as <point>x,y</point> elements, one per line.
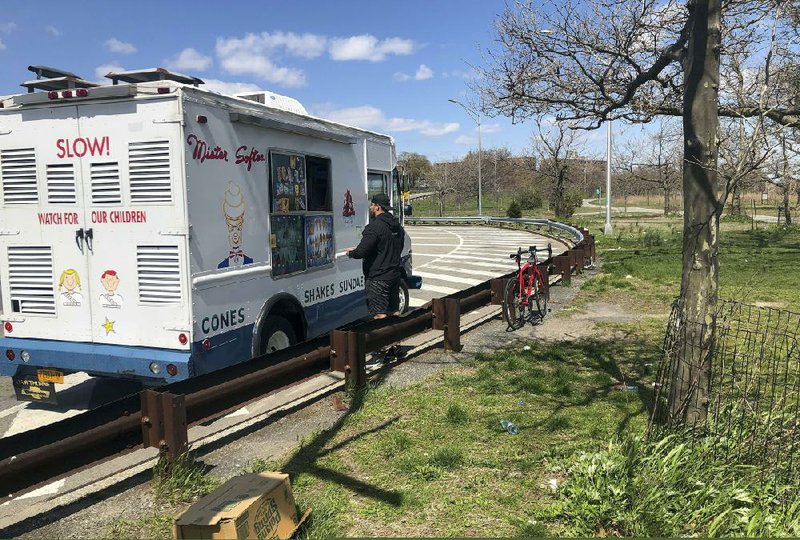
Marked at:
<point>433,460</point>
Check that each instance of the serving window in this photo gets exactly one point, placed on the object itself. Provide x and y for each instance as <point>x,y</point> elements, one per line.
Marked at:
<point>302,213</point>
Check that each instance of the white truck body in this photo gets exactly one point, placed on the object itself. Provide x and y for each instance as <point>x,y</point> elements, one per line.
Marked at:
<point>157,225</point>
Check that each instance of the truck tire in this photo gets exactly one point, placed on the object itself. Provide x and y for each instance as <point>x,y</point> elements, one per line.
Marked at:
<point>277,333</point>
<point>403,297</point>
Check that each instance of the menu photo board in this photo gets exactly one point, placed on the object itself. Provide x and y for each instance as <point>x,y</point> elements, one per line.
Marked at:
<point>287,240</point>
<point>288,183</point>
<point>319,241</point>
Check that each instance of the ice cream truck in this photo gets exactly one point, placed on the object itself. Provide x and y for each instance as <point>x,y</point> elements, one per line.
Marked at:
<point>154,230</point>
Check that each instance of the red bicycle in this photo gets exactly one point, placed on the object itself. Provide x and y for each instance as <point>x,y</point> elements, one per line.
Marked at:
<point>525,297</point>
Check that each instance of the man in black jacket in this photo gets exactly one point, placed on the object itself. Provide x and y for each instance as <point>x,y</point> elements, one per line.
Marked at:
<point>380,248</point>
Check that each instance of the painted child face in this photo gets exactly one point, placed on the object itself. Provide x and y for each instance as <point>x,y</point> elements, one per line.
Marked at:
<point>70,282</point>
<point>110,283</point>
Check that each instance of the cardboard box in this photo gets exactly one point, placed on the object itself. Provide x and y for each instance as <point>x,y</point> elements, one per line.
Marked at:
<point>248,506</point>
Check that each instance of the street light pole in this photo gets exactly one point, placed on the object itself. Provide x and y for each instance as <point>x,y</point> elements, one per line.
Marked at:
<point>476,117</point>
<point>607,229</point>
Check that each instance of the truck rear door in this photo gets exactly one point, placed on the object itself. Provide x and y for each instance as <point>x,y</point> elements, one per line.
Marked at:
<point>43,265</point>
<point>136,224</point>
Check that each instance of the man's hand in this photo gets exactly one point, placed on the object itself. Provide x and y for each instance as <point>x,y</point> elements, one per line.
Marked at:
<point>349,251</point>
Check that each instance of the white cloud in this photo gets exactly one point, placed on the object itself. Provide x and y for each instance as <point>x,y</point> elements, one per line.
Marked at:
<point>252,55</point>
<point>52,30</point>
<point>368,47</point>
<point>246,63</point>
<point>369,117</point>
<point>101,71</point>
<point>490,128</point>
<point>122,47</point>
<point>303,45</point>
<point>229,88</point>
<point>189,60</point>
<point>2,45</point>
<point>423,73</point>
<point>466,140</point>
<point>7,28</point>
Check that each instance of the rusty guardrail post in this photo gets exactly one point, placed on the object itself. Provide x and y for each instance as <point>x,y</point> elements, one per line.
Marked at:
<point>498,288</point>
<point>546,278</point>
<point>164,423</point>
<point>447,317</point>
<point>564,267</point>
<point>577,258</point>
<point>349,355</point>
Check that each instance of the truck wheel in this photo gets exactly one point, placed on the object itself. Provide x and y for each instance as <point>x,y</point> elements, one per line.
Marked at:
<point>403,306</point>
<point>277,334</point>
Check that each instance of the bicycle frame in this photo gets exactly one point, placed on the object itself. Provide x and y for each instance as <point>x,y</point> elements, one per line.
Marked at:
<point>524,270</point>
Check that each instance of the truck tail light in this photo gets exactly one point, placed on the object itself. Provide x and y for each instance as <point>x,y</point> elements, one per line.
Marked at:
<point>172,369</point>
<point>163,89</point>
<point>9,327</point>
<point>81,92</point>
<point>183,339</point>
<point>206,344</point>
<point>10,355</point>
<point>66,94</point>
<point>52,95</point>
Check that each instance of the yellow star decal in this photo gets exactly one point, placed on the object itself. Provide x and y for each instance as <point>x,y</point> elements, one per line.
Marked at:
<point>109,326</point>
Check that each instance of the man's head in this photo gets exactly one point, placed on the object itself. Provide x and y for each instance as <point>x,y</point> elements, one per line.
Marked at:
<point>380,204</point>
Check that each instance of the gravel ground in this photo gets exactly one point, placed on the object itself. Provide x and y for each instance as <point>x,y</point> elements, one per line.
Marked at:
<point>95,515</point>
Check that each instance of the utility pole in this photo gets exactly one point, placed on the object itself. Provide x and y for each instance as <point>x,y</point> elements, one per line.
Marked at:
<point>607,229</point>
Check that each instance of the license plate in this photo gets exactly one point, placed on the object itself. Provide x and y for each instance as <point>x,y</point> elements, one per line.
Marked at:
<point>50,375</point>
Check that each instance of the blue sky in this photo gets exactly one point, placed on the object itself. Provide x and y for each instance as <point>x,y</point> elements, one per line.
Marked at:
<point>385,66</point>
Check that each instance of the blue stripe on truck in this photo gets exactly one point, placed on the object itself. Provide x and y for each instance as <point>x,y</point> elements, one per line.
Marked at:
<point>226,349</point>
<point>95,358</point>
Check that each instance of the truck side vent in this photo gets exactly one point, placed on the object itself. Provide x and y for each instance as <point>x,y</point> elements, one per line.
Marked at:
<point>149,167</point>
<point>105,183</point>
<point>18,171</point>
<point>159,271</point>
<point>30,280</point>
<point>61,183</point>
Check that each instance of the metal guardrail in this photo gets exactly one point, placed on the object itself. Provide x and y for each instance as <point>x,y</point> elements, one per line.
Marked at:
<point>576,233</point>
<point>160,418</point>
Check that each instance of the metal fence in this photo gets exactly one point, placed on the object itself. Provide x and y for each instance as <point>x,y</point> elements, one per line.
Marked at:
<point>753,399</point>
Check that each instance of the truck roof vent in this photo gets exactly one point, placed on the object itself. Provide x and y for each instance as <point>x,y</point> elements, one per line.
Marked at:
<point>150,75</point>
<point>276,101</point>
<point>48,78</point>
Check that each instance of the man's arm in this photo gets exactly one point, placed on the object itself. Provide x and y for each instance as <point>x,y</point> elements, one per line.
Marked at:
<point>368,242</point>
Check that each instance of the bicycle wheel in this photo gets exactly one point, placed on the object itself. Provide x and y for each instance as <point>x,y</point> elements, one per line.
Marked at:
<point>513,307</point>
<point>540,298</point>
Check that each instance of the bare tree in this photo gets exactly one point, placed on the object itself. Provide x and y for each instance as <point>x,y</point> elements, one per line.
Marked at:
<point>597,60</point>
<point>654,161</point>
<point>555,148</point>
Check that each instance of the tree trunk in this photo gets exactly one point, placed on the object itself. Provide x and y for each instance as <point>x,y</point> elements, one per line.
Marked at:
<point>666,200</point>
<point>691,374</point>
<point>787,184</point>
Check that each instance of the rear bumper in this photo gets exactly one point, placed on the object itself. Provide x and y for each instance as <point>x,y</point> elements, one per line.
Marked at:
<point>414,282</point>
<point>97,359</point>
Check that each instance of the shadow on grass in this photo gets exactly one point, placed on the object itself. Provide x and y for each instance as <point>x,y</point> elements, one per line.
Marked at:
<point>576,374</point>
<point>305,459</point>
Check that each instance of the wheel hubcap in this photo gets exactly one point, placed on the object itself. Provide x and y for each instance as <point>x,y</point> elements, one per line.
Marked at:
<point>277,341</point>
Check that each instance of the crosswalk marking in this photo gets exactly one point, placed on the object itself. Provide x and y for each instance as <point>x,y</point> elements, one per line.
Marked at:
<point>469,271</point>
<point>447,277</point>
<point>438,289</point>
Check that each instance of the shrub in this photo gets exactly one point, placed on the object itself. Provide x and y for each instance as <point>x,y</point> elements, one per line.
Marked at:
<point>652,238</point>
<point>514,210</point>
<point>529,199</point>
